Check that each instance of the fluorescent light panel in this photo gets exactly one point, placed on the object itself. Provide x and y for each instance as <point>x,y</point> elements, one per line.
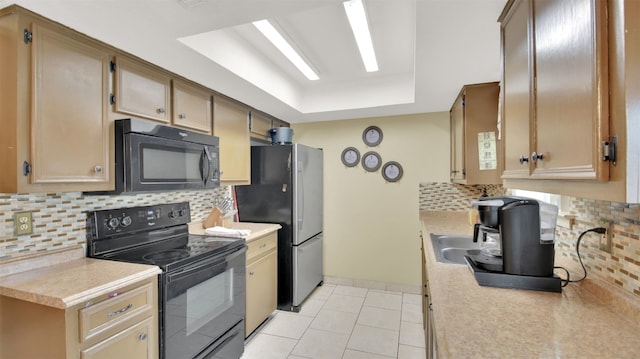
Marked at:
<point>281,44</point>
<point>360,27</point>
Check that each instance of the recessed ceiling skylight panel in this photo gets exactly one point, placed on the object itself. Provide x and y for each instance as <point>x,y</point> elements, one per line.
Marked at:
<point>270,32</point>
<point>360,26</point>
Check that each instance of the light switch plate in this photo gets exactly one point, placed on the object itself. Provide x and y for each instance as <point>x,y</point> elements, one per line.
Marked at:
<point>23,223</point>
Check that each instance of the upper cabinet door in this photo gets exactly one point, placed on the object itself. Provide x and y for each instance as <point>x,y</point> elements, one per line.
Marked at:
<point>69,121</point>
<point>571,96</point>
<point>475,157</point>
<point>279,123</point>
<point>191,107</point>
<point>260,126</point>
<point>140,91</point>
<point>516,90</point>
<point>457,140</point>
<point>231,125</point>
<point>482,157</point>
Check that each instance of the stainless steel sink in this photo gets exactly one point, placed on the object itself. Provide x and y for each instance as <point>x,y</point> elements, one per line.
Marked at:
<point>452,248</point>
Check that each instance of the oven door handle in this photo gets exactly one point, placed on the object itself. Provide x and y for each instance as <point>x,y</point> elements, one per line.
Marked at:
<point>218,263</point>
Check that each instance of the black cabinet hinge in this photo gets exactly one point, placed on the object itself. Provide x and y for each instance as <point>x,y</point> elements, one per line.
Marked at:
<point>610,149</point>
<point>112,99</point>
<point>26,168</point>
<point>28,36</point>
<point>112,66</point>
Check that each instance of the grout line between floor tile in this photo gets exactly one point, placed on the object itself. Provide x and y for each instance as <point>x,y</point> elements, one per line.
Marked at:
<point>354,328</point>
<point>358,314</point>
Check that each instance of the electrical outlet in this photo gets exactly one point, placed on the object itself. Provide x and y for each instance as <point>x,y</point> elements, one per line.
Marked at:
<point>23,223</point>
<point>606,240</point>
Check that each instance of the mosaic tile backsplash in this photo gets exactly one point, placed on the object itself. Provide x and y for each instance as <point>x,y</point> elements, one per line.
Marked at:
<point>59,219</point>
<point>620,268</point>
<point>438,196</point>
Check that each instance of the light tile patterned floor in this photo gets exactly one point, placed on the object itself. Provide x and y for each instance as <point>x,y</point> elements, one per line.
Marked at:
<point>340,322</point>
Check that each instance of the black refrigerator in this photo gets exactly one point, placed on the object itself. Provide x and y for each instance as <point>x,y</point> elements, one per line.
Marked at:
<point>287,189</point>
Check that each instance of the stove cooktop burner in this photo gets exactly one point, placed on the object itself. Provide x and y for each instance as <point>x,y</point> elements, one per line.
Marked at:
<point>166,256</point>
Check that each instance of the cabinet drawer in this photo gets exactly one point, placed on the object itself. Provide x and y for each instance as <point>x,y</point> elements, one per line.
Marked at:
<point>262,245</point>
<point>133,342</point>
<point>114,313</point>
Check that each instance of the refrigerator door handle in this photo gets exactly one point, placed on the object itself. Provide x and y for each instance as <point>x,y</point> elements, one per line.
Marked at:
<point>301,192</point>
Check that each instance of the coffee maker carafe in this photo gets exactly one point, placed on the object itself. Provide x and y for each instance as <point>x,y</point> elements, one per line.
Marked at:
<point>526,231</point>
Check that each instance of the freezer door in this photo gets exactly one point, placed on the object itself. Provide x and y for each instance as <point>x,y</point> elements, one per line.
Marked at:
<point>307,184</point>
<point>307,268</point>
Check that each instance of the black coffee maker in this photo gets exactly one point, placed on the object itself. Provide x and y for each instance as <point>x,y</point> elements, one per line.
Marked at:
<point>525,229</point>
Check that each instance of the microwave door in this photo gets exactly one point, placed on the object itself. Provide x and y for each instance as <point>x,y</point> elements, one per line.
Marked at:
<point>164,164</point>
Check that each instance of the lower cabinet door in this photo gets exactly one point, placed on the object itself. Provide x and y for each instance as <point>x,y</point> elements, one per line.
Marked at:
<point>262,294</point>
<point>135,342</point>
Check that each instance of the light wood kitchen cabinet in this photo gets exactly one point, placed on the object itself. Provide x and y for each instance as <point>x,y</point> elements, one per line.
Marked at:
<point>130,343</point>
<point>585,91</point>
<point>262,280</point>
<point>555,97</point>
<point>260,125</point>
<point>120,324</point>
<point>192,107</point>
<point>517,90</point>
<point>571,97</point>
<point>231,125</point>
<point>431,347</point>
<point>53,108</point>
<point>279,123</point>
<point>431,342</point>
<point>475,157</point>
<point>140,90</point>
<point>457,140</point>
<point>425,294</point>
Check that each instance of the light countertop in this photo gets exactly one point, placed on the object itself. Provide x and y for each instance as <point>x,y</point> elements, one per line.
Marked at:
<point>587,320</point>
<point>62,279</point>
<point>257,229</point>
<point>66,284</point>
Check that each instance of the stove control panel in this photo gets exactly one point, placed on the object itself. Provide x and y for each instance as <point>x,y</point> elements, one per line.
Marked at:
<point>104,223</point>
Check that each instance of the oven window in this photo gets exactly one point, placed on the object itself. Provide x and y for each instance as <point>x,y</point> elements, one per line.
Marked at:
<point>209,299</point>
<point>163,163</point>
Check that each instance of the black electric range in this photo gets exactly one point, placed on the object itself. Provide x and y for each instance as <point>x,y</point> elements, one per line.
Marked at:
<point>201,275</point>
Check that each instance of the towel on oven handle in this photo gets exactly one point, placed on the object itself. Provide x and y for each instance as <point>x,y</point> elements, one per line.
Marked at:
<point>227,232</point>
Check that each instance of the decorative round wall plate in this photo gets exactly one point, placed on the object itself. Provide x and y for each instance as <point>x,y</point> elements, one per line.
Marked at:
<point>371,161</point>
<point>350,157</point>
<point>392,171</point>
<point>372,136</point>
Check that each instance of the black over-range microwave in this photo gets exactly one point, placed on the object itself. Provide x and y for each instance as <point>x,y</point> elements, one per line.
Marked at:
<point>152,157</point>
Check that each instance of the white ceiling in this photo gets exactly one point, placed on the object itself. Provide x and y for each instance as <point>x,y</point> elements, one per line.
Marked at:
<point>426,49</point>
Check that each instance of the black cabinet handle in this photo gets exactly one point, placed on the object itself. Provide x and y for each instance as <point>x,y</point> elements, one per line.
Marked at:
<point>535,156</point>
<point>523,159</point>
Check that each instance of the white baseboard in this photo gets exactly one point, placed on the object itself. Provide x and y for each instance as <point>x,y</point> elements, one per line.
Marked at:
<point>372,284</point>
